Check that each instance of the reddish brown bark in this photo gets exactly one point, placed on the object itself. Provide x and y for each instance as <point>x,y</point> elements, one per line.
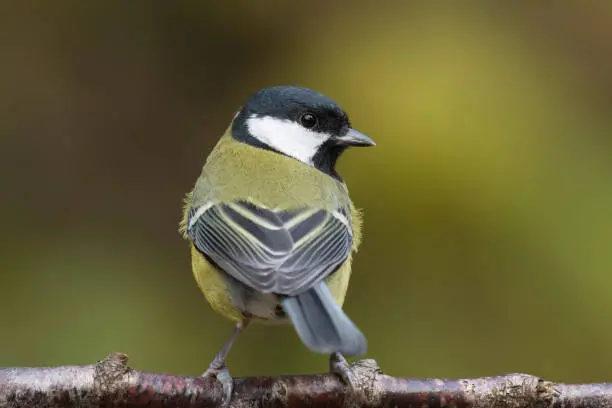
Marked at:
<point>111,383</point>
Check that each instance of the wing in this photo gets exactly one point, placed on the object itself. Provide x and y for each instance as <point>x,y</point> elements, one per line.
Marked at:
<point>275,251</point>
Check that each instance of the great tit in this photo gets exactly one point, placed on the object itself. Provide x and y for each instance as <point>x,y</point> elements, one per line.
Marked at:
<point>271,226</point>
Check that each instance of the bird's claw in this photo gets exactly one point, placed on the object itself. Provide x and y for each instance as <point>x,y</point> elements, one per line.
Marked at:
<point>339,366</point>
<point>218,370</point>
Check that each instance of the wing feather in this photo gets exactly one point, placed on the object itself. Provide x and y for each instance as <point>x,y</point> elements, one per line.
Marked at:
<point>271,250</point>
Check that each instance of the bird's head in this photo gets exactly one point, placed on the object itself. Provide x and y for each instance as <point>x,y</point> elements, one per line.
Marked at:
<point>299,123</point>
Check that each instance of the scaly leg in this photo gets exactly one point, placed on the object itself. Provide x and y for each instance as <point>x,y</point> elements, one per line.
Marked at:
<point>218,369</point>
<point>339,366</point>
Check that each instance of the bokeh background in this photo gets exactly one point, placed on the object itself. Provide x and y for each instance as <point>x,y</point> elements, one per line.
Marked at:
<point>488,199</point>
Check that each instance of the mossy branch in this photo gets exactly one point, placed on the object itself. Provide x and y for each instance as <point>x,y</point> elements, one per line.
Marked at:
<point>111,383</point>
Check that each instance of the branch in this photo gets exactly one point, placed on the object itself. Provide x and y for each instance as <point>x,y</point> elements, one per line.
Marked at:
<point>111,383</point>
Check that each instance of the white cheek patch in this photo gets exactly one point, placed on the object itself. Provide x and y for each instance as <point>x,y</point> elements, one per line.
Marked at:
<point>287,137</point>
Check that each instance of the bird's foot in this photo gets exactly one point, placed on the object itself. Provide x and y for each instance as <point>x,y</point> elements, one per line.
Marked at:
<point>358,377</point>
<point>339,366</point>
<point>218,370</point>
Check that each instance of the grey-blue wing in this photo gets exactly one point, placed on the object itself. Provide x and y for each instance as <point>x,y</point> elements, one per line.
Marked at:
<point>272,251</point>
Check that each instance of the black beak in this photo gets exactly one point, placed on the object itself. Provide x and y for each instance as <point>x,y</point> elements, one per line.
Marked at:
<point>355,138</point>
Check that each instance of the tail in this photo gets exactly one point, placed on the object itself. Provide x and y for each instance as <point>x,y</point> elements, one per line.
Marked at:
<point>321,323</point>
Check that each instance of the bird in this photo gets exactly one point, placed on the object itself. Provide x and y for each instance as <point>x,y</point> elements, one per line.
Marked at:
<point>271,227</point>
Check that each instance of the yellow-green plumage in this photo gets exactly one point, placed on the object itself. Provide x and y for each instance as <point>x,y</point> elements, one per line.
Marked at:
<point>272,228</point>
<point>239,171</point>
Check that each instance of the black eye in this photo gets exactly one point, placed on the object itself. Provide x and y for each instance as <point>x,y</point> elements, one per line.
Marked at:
<point>308,120</point>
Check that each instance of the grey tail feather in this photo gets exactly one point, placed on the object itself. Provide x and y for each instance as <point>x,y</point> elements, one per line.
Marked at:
<point>321,324</point>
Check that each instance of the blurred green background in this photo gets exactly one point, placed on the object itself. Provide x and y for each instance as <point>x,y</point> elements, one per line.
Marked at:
<point>488,199</point>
